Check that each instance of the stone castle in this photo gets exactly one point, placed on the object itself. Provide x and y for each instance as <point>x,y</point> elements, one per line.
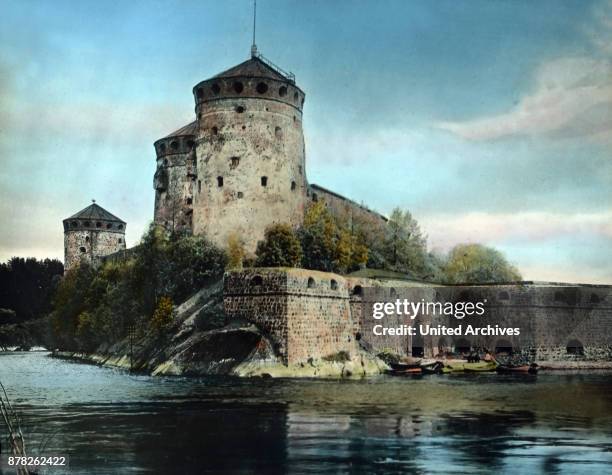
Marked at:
<point>240,167</point>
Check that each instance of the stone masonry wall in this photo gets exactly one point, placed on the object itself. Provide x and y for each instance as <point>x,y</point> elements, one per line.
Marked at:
<point>90,245</point>
<point>311,314</point>
<point>305,313</point>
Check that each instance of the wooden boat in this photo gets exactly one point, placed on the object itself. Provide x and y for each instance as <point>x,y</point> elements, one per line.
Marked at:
<point>531,369</point>
<point>404,366</point>
<point>480,367</point>
<point>399,369</point>
<point>435,367</point>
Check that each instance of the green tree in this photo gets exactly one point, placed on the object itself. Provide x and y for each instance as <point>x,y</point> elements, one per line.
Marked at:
<point>475,263</point>
<point>405,247</point>
<point>280,248</point>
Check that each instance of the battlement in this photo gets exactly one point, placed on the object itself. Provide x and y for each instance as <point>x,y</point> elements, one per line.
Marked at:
<point>181,141</point>
<point>252,79</point>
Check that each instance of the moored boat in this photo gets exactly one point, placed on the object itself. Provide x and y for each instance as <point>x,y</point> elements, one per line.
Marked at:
<point>526,368</point>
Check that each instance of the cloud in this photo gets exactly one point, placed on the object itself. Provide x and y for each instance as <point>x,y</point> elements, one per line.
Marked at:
<point>445,230</point>
<point>573,96</point>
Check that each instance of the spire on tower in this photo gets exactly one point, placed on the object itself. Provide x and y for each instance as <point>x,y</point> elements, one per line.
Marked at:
<point>254,46</point>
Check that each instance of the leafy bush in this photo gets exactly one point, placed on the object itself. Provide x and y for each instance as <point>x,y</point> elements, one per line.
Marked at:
<point>162,316</point>
<point>280,248</point>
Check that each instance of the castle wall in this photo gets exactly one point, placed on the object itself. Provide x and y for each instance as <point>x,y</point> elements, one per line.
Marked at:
<point>345,208</point>
<point>250,160</point>
<point>88,245</point>
<point>314,320</point>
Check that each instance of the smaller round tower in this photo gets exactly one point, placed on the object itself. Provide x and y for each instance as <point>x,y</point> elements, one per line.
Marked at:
<point>174,177</point>
<point>91,234</point>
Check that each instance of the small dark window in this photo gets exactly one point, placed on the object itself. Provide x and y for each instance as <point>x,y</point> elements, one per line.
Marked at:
<point>119,240</point>
<point>240,194</point>
<point>174,145</point>
<point>82,249</point>
<point>190,144</point>
<point>357,290</point>
<point>86,238</point>
<point>74,224</point>
<point>262,88</point>
<point>215,130</point>
<point>234,162</point>
<point>109,225</point>
<point>559,297</point>
<point>311,283</point>
<point>200,92</point>
<point>302,102</point>
<point>333,285</point>
<point>357,336</point>
<point>199,186</point>
<point>264,181</point>
<point>98,224</point>
<point>300,169</point>
<point>315,197</point>
<point>120,226</point>
<point>595,298</point>
<point>293,186</point>
<point>240,109</point>
<point>278,133</point>
<point>216,89</point>
<point>575,347</point>
<point>257,280</point>
<point>295,96</point>
<point>219,181</point>
<point>165,162</point>
<point>503,295</point>
<point>189,201</point>
<point>162,147</point>
<point>392,292</point>
<point>238,87</point>
<point>87,224</point>
<point>282,91</point>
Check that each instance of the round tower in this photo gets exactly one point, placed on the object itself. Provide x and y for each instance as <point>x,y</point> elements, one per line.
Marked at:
<point>249,153</point>
<point>174,177</point>
<point>91,234</point>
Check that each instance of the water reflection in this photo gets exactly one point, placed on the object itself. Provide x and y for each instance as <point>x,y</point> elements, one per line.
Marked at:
<point>108,421</point>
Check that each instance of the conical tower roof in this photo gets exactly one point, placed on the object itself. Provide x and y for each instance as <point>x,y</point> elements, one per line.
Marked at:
<point>254,67</point>
<point>95,212</point>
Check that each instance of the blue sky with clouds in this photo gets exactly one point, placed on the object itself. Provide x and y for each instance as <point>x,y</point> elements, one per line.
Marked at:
<point>490,120</point>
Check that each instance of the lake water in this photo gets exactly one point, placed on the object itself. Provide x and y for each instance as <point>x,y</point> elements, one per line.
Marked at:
<point>108,421</point>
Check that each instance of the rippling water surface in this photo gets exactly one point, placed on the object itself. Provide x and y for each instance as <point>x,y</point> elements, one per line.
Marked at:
<point>107,421</point>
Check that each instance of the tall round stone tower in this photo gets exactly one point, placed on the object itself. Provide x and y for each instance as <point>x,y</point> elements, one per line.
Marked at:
<point>250,153</point>
<point>91,234</point>
<point>174,177</point>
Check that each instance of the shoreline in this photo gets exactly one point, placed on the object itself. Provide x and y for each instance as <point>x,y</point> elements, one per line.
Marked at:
<point>122,362</point>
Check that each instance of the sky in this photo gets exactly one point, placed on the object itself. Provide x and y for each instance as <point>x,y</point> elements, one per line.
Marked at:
<point>490,120</point>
